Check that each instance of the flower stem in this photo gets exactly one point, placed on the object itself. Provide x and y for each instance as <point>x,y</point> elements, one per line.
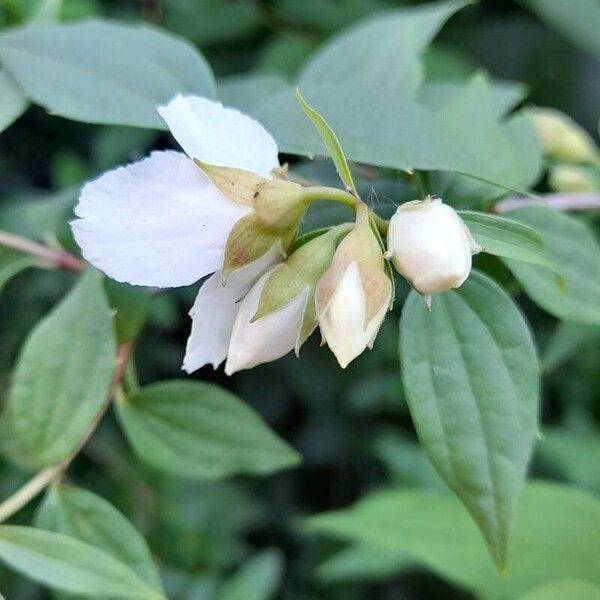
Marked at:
<point>326,193</point>
<point>49,257</point>
<point>29,491</point>
<point>39,482</point>
<point>558,201</point>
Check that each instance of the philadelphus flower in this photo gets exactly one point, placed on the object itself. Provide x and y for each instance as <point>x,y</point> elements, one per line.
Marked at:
<point>162,222</point>
<point>354,294</point>
<point>430,246</point>
<point>562,138</point>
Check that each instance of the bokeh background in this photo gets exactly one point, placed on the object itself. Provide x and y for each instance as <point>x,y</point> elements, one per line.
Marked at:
<point>352,427</point>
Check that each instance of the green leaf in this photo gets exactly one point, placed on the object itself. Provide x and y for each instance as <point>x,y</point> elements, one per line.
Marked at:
<point>556,536</point>
<point>471,379</point>
<point>574,455</point>
<point>505,237</point>
<point>100,72</point>
<point>382,51</point>
<point>390,129</point>
<point>198,430</point>
<point>88,518</point>
<point>257,579</point>
<point>38,216</point>
<point>331,143</point>
<point>131,304</point>
<point>505,95</point>
<point>248,91</point>
<point>67,564</point>
<point>11,263</point>
<point>580,26</point>
<point>207,22</point>
<point>358,563</point>
<point>406,462</point>
<point>47,11</point>
<point>566,339</point>
<point>574,253</point>
<point>571,589</point>
<point>14,103</point>
<point>61,379</point>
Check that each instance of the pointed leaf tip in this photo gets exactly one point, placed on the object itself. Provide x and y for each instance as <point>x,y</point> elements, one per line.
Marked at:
<point>331,143</point>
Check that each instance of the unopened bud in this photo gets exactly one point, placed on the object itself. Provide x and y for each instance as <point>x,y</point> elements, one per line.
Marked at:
<point>563,139</point>
<point>354,294</point>
<point>276,202</point>
<point>573,178</point>
<point>430,245</point>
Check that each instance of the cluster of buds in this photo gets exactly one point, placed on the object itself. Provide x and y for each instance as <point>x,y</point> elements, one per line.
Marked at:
<point>226,207</point>
<point>573,156</point>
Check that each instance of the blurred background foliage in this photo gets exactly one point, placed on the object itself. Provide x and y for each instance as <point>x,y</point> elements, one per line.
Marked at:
<point>352,427</point>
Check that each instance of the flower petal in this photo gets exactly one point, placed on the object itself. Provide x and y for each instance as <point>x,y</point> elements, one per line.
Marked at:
<point>157,222</point>
<point>220,136</point>
<point>342,322</point>
<point>267,338</point>
<point>215,310</point>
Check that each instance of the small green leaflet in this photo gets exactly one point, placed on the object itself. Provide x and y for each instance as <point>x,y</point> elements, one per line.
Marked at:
<point>70,565</point>
<point>82,515</point>
<point>507,238</point>
<point>331,143</point>
<point>574,253</point>
<point>198,430</point>
<point>257,579</point>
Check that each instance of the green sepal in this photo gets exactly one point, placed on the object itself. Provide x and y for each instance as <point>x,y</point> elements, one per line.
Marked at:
<point>248,240</point>
<point>331,143</point>
<point>301,271</point>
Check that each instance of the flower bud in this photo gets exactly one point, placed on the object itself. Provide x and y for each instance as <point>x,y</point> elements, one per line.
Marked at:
<point>573,178</point>
<point>301,271</point>
<point>430,246</point>
<point>254,342</point>
<point>354,294</point>
<point>563,139</point>
<point>277,203</point>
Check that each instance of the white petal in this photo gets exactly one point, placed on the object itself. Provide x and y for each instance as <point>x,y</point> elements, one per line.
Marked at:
<point>342,322</point>
<point>220,136</point>
<point>268,338</point>
<point>215,309</point>
<point>158,222</point>
<point>374,325</point>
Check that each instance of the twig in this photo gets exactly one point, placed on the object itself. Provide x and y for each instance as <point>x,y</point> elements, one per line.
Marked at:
<point>29,491</point>
<point>41,480</point>
<point>49,257</point>
<point>559,201</point>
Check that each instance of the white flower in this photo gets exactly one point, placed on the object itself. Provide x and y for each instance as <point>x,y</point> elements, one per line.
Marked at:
<point>161,222</point>
<point>215,310</point>
<point>343,321</point>
<point>430,246</point>
<point>267,338</point>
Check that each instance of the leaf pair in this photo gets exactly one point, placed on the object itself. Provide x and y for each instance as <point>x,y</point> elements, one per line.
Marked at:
<point>62,380</point>
<point>82,545</point>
